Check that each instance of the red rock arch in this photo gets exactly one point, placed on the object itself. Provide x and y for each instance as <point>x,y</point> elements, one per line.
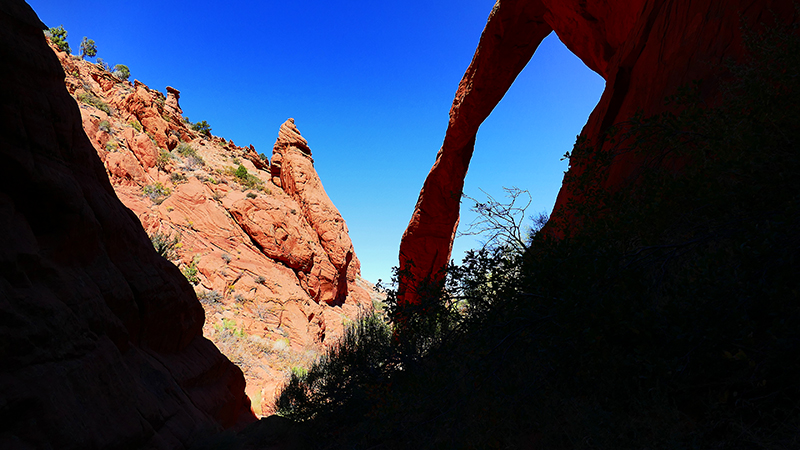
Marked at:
<point>644,49</point>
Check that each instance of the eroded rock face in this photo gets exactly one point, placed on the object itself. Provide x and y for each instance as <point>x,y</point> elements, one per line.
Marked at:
<point>293,170</point>
<point>100,342</point>
<point>270,266</point>
<point>645,50</point>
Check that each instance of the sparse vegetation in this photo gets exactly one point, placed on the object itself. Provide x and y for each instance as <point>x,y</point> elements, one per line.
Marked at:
<point>102,64</point>
<point>192,159</point>
<point>190,271</point>
<point>248,180</point>
<point>202,127</point>
<point>177,178</point>
<point>157,192</point>
<point>136,125</point>
<point>122,72</point>
<point>668,320</point>
<point>209,297</point>
<point>91,99</point>
<point>166,244</point>
<point>163,159</point>
<point>185,149</point>
<point>58,36</point>
<point>104,126</point>
<point>88,48</point>
<point>251,195</point>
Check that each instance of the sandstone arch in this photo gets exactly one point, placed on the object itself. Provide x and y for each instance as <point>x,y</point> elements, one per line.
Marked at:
<point>644,49</point>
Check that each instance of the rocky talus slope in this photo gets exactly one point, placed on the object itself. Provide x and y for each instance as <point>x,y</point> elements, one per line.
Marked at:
<point>268,252</point>
<point>101,342</point>
<point>645,50</point>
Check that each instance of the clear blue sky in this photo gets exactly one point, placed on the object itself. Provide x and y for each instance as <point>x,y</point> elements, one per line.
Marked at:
<point>369,84</point>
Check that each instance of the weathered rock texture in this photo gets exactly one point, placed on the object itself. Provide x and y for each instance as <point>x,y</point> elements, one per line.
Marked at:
<point>101,340</point>
<point>645,50</point>
<point>275,268</point>
<point>293,171</point>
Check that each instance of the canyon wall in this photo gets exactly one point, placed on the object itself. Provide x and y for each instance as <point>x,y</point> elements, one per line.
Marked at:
<point>101,341</point>
<point>268,253</point>
<point>645,50</point>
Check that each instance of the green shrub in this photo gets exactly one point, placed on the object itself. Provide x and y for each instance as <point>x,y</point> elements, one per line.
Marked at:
<point>163,159</point>
<point>202,127</point>
<point>177,178</point>
<point>166,244</point>
<point>185,149</point>
<point>668,320</point>
<point>91,99</point>
<point>88,48</point>
<point>104,126</point>
<point>248,180</point>
<point>58,36</point>
<point>228,328</point>
<point>157,192</point>
<point>241,172</point>
<point>190,271</point>
<point>136,125</point>
<point>122,72</point>
<point>251,195</point>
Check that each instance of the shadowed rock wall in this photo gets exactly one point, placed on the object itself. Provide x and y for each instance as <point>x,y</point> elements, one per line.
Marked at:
<point>100,338</point>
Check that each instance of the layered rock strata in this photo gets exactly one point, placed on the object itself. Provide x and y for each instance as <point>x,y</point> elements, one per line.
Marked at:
<point>645,50</point>
<point>269,254</point>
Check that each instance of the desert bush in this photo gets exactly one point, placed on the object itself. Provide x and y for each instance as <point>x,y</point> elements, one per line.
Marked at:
<point>202,127</point>
<point>185,149</point>
<point>177,178</point>
<point>122,72</point>
<point>163,159</point>
<point>190,271</point>
<point>671,323</point>
<point>251,195</point>
<point>102,64</point>
<point>58,36</point>
<point>166,244</point>
<point>209,297</point>
<point>93,100</point>
<point>136,125</point>
<point>157,192</point>
<point>248,180</point>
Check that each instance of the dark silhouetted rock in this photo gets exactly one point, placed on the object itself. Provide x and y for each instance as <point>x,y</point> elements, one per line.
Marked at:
<point>100,338</point>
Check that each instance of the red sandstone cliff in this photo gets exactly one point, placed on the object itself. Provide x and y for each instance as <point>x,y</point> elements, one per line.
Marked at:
<point>269,253</point>
<point>645,50</point>
<point>101,340</point>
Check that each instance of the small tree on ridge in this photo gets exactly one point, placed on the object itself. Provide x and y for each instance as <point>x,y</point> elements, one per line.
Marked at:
<point>58,36</point>
<point>88,48</point>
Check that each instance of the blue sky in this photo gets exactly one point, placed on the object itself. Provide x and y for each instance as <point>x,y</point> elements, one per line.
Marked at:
<point>369,84</point>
